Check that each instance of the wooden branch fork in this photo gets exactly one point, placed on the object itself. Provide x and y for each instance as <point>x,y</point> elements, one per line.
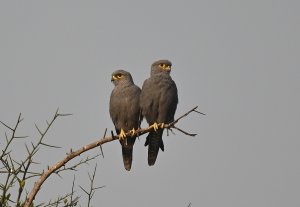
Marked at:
<point>72,154</point>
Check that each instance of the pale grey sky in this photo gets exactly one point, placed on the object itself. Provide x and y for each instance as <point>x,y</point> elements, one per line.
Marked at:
<point>237,60</point>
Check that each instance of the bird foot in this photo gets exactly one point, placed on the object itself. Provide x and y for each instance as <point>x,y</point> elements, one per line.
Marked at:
<point>132,131</point>
<point>155,126</point>
<point>122,135</point>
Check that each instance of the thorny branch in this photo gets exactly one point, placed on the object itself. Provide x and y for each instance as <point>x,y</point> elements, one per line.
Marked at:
<point>90,193</point>
<point>73,201</point>
<point>13,136</point>
<point>19,172</point>
<point>72,154</point>
<point>8,164</point>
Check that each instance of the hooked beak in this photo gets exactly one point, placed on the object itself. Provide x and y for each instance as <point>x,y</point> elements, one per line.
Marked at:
<point>113,78</point>
<point>167,68</point>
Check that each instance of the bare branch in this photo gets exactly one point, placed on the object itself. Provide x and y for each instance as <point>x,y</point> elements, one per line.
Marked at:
<point>48,145</point>
<point>13,136</point>
<point>72,154</point>
<point>184,132</point>
<point>64,114</point>
<point>38,129</point>
<point>6,126</point>
<point>184,115</point>
<point>101,145</point>
<point>199,112</point>
<point>21,137</point>
<point>81,162</point>
<point>72,192</point>
<point>91,191</point>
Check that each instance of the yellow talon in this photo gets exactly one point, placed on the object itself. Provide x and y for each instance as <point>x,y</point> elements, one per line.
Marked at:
<point>155,126</point>
<point>122,135</point>
<point>132,131</point>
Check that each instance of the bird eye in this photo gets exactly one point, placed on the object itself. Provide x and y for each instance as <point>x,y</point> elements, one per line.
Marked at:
<point>161,65</point>
<point>119,75</point>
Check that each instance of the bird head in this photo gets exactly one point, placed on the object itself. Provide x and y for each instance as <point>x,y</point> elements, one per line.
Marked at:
<point>121,77</point>
<point>161,66</point>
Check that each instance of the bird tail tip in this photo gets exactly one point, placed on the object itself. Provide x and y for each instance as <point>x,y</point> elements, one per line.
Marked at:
<point>127,157</point>
<point>154,142</point>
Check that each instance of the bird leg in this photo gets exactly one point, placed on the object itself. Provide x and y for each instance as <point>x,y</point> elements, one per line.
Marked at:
<point>122,135</point>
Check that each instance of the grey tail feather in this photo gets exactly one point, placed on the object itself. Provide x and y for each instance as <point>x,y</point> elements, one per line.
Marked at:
<point>127,149</point>
<point>154,140</point>
<point>127,157</point>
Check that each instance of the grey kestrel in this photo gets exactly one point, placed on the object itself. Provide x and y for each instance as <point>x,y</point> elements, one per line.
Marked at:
<point>158,102</point>
<point>124,111</point>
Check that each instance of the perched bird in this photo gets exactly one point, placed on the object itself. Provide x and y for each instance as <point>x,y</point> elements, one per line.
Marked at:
<point>158,102</point>
<point>124,111</point>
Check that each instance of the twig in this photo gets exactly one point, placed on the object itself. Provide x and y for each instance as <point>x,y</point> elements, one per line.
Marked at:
<point>92,189</point>
<point>101,145</point>
<point>72,192</point>
<point>81,162</point>
<point>72,154</point>
<point>184,132</point>
<point>184,115</point>
<point>12,136</point>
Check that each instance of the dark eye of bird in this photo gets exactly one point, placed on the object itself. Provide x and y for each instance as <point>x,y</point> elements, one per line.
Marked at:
<point>161,65</point>
<point>119,75</point>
